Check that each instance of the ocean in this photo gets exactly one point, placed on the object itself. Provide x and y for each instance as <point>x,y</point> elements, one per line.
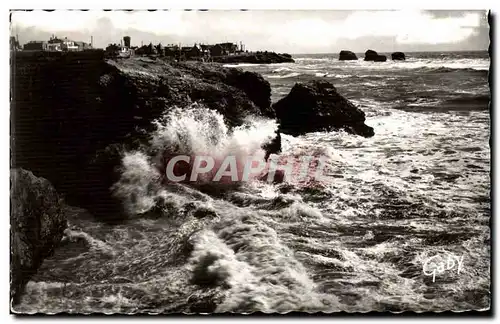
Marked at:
<point>400,222</point>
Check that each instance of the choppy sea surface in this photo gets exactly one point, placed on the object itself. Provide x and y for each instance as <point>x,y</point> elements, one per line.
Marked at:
<point>392,209</point>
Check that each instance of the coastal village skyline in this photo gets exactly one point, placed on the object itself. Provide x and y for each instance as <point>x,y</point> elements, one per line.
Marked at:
<point>126,41</point>
<point>292,32</point>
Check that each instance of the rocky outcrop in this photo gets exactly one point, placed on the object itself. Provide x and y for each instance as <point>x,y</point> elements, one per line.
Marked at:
<point>347,56</point>
<point>72,114</point>
<point>255,87</point>
<point>371,55</point>
<point>273,146</point>
<point>317,106</point>
<point>257,58</point>
<point>37,222</point>
<point>398,56</point>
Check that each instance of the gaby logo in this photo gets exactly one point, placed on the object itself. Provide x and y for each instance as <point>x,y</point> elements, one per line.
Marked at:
<point>182,168</point>
<point>441,263</point>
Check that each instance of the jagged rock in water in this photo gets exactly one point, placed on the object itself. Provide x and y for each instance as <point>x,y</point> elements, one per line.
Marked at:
<point>371,55</point>
<point>317,106</point>
<point>37,223</point>
<point>347,56</point>
<point>398,56</point>
<point>273,146</point>
<point>380,58</point>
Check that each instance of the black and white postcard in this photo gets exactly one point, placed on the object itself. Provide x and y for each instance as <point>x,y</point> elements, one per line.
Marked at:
<point>250,161</point>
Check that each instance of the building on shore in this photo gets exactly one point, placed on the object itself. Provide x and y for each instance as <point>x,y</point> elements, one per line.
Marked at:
<point>36,46</point>
<point>123,49</point>
<point>191,52</point>
<point>126,41</point>
<point>216,50</point>
<point>147,50</point>
<point>198,52</point>
<point>82,46</point>
<point>229,48</point>
<point>66,45</point>
<point>54,47</point>
<point>171,50</point>
<point>55,44</point>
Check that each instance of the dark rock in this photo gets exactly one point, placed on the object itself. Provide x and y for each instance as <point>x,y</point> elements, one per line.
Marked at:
<point>252,84</point>
<point>317,106</point>
<point>273,146</point>
<point>201,305</point>
<point>37,223</point>
<point>347,55</point>
<point>73,114</point>
<point>255,57</point>
<point>371,55</point>
<point>203,275</point>
<point>380,58</point>
<point>398,56</point>
<point>204,212</point>
<point>286,188</point>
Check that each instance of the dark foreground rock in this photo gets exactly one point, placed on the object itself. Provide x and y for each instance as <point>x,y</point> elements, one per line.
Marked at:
<point>273,146</point>
<point>258,58</point>
<point>37,222</point>
<point>74,113</point>
<point>317,106</point>
<point>398,56</point>
<point>371,55</point>
<point>347,56</point>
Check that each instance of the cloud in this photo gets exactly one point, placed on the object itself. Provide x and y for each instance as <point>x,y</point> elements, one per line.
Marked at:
<point>409,26</point>
<point>452,13</point>
<point>56,20</point>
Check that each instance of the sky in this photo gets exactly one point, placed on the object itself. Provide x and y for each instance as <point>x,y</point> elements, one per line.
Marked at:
<point>290,31</point>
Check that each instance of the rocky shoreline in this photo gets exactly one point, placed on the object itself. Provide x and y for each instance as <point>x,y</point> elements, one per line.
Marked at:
<point>73,115</point>
<point>256,58</point>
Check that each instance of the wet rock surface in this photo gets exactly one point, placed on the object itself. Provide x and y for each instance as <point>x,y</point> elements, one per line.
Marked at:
<point>317,106</point>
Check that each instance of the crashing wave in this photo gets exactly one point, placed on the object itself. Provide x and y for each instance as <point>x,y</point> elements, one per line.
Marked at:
<point>193,131</point>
